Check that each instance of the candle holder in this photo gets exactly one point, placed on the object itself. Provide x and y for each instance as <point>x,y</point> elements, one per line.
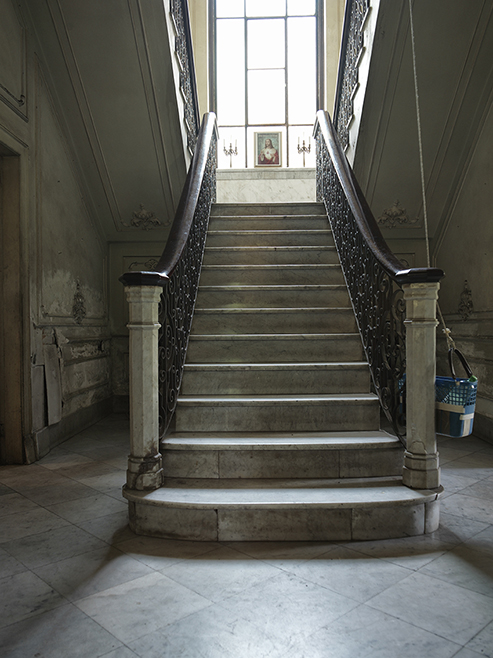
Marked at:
<point>231,151</point>
<point>304,149</point>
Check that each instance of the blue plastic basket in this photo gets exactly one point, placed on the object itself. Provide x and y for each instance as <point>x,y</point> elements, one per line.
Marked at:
<point>455,403</point>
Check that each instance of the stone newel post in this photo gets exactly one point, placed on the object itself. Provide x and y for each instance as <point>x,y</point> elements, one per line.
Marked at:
<point>145,461</point>
<point>421,469</point>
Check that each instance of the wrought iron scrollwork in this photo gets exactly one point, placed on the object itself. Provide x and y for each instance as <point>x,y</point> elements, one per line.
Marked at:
<point>178,298</point>
<point>183,50</point>
<point>348,74</point>
<point>376,297</point>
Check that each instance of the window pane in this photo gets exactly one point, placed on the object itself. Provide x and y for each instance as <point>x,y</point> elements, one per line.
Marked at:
<point>265,7</point>
<point>266,44</point>
<point>229,8</point>
<point>302,79</point>
<point>301,7</point>
<point>296,136</point>
<point>231,71</point>
<point>266,96</point>
<point>231,138</point>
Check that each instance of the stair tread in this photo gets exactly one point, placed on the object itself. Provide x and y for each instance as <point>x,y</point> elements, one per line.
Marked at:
<point>279,493</point>
<point>275,309</point>
<point>277,336</point>
<point>308,365</point>
<point>280,287</point>
<point>265,400</point>
<point>272,231</point>
<point>280,441</point>
<point>271,247</point>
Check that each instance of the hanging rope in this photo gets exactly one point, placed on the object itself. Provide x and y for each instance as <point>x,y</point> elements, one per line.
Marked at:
<point>446,330</point>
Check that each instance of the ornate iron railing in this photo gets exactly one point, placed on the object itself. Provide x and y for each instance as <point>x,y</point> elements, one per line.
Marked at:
<point>373,274</point>
<point>178,269</point>
<point>347,80</point>
<point>184,54</point>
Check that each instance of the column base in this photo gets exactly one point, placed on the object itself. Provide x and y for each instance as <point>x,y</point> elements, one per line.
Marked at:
<point>145,474</point>
<point>421,471</point>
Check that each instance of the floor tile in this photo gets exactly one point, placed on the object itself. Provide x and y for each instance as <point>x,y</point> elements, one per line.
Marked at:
<point>61,458</point>
<point>25,595</point>
<point>288,607</point>
<point>91,572</point>
<point>470,507</point>
<point>9,566</point>
<point>57,492</point>
<point>53,545</point>
<point>65,632</point>
<point>368,633</point>
<point>482,489</point>
<point>158,600</point>
<point>91,507</point>
<point>16,526</point>
<point>160,554</point>
<point>213,632</point>
<point>447,610</point>
<point>350,573</point>
<point>483,642</point>
<point>13,503</point>
<point>460,527</point>
<point>282,554</point>
<point>482,540</point>
<point>221,573</point>
<point>466,567</point>
<point>111,528</point>
<point>121,652</point>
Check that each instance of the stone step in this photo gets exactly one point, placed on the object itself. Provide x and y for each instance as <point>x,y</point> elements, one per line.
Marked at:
<point>282,238</point>
<point>270,255</point>
<point>281,455</point>
<point>268,222</point>
<point>286,209</point>
<point>280,296</point>
<point>273,320</point>
<point>278,413</point>
<point>283,510</point>
<point>275,378</point>
<point>271,348</point>
<point>220,275</point>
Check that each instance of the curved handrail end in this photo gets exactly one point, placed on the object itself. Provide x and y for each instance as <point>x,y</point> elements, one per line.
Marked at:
<point>419,275</point>
<point>144,279</point>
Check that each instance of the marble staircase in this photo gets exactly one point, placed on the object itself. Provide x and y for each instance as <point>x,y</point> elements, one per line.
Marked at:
<point>277,433</point>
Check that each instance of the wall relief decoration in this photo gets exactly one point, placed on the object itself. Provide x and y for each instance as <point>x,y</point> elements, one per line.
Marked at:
<point>144,219</point>
<point>466,306</point>
<point>79,305</point>
<point>396,215</point>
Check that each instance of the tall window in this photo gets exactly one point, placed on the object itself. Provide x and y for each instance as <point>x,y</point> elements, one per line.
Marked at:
<point>265,76</point>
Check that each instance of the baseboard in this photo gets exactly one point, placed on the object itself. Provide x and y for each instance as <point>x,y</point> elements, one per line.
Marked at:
<point>483,427</point>
<point>41,442</point>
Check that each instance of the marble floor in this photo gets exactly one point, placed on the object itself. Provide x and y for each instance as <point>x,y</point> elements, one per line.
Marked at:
<point>76,582</point>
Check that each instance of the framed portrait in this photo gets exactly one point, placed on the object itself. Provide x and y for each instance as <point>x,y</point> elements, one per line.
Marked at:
<point>267,149</point>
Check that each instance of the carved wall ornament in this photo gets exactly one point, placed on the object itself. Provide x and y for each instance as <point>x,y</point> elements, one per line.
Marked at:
<point>466,306</point>
<point>396,215</point>
<point>79,305</point>
<point>148,266</point>
<point>144,219</point>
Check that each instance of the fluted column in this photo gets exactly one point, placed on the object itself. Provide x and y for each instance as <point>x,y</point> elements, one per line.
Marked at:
<point>421,470</point>
<point>144,462</point>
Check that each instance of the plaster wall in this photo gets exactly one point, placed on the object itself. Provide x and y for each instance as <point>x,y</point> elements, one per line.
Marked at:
<point>65,348</point>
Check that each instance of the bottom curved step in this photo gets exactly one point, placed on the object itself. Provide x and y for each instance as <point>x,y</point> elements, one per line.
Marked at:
<point>283,510</point>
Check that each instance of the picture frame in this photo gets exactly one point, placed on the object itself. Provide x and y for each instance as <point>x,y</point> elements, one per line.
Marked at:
<point>265,154</point>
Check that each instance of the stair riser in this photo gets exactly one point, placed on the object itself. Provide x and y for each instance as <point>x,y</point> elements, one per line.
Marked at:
<point>250,276</point>
<point>270,464</point>
<point>267,209</point>
<point>279,350</point>
<point>264,322</point>
<point>250,223</point>
<point>227,298</point>
<point>260,239</point>
<point>298,256</point>
<point>280,417</point>
<point>301,523</point>
<point>275,382</point>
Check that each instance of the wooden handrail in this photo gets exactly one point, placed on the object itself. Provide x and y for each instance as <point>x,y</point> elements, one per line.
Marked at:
<point>184,213</point>
<point>364,217</point>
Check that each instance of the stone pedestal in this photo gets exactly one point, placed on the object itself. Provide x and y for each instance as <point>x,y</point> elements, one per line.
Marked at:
<point>145,461</point>
<point>421,469</point>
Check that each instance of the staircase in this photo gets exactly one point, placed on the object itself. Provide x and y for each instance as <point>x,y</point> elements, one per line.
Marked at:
<point>276,433</point>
